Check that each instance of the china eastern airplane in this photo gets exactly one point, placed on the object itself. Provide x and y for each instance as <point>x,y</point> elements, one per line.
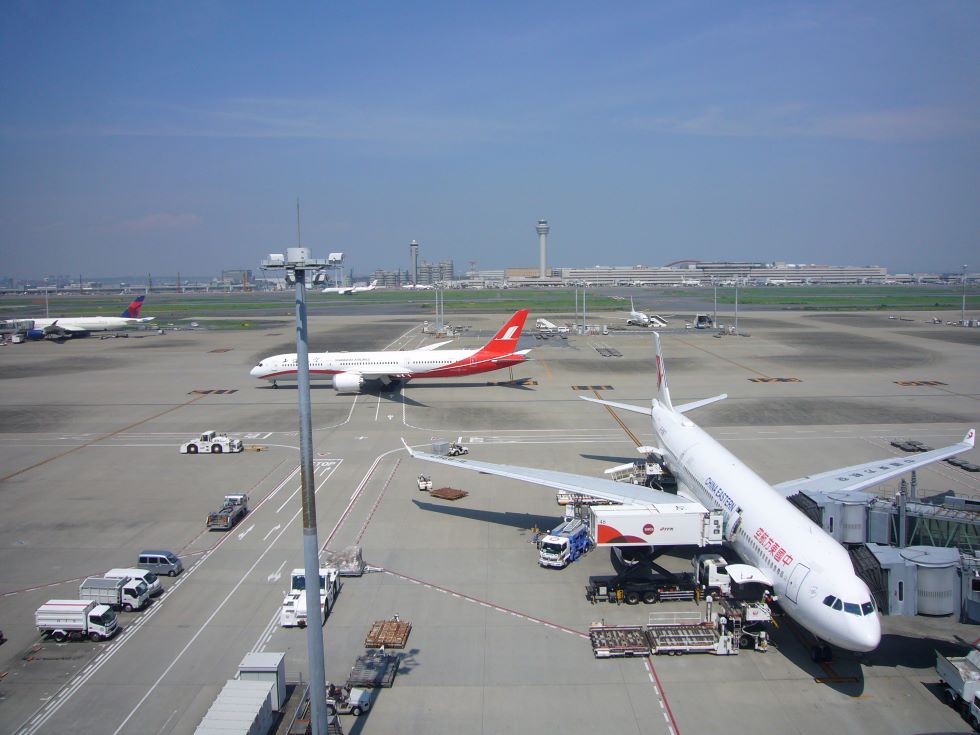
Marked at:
<point>78,326</point>
<point>348,290</point>
<point>810,571</point>
<point>350,370</point>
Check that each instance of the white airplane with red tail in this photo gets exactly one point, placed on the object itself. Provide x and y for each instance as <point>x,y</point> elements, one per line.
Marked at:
<point>809,570</point>
<point>351,370</point>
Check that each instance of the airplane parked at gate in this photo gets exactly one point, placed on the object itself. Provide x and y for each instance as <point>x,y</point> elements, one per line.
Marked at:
<point>350,370</point>
<point>79,326</point>
<point>810,571</point>
<point>348,290</point>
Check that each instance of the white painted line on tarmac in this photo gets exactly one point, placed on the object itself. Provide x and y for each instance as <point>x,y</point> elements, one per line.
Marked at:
<point>272,531</point>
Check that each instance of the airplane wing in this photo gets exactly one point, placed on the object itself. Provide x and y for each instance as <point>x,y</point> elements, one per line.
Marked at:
<point>597,487</point>
<point>646,410</point>
<point>869,474</point>
<point>433,346</point>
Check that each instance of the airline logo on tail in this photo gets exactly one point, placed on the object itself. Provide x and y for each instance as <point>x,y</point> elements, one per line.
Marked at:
<point>660,372</point>
<point>505,340</point>
<point>133,311</point>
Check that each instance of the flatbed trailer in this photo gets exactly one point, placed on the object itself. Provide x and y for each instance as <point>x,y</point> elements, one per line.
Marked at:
<point>618,641</point>
<point>373,669</point>
<point>388,634</point>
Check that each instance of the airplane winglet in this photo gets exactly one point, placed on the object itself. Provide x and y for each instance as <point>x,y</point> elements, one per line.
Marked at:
<point>970,437</point>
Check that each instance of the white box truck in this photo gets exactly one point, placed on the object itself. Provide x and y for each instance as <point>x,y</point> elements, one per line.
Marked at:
<point>121,594</point>
<point>661,524</point>
<point>151,580</point>
<point>75,620</point>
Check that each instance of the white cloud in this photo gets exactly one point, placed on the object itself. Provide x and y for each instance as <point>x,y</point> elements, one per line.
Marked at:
<point>793,120</point>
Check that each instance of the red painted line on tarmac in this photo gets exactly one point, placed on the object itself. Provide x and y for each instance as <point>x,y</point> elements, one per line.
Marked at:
<point>663,695</point>
<point>486,603</point>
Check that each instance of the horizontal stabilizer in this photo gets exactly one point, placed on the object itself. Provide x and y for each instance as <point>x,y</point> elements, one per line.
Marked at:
<point>684,408</point>
<point>434,346</point>
<point>645,410</point>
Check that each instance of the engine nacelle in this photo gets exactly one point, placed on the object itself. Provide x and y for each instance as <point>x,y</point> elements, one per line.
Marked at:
<point>348,382</point>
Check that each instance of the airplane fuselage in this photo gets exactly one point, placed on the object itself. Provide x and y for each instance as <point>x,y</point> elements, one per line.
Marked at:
<point>807,565</point>
<point>88,324</point>
<point>403,364</point>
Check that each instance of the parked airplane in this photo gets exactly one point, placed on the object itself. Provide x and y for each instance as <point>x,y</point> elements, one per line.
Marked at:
<point>350,370</point>
<point>811,572</point>
<point>79,326</point>
<point>419,286</point>
<point>348,290</point>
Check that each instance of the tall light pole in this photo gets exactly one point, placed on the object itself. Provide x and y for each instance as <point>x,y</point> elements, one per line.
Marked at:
<point>963,307</point>
<point>300,268</point>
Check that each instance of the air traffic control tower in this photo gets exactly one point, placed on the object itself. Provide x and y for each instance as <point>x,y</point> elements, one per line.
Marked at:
<point>543,229</point>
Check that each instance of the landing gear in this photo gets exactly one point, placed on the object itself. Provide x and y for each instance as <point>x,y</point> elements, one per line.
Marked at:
<point>821,653</point>
<point>275,384</point>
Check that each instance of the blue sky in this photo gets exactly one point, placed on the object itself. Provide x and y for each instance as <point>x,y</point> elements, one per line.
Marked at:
<point>153,137</point>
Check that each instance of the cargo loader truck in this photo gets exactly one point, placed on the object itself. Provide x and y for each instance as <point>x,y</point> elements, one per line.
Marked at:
<point>76,620</point>
<point>233,509</point>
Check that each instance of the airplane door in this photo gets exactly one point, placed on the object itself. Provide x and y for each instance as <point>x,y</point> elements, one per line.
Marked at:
<point>796,581</point>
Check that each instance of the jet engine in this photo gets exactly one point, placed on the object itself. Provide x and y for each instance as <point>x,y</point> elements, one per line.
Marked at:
<point>348,382</point>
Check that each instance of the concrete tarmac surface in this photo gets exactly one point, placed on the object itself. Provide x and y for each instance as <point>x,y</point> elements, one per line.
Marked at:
<point>90,474</point>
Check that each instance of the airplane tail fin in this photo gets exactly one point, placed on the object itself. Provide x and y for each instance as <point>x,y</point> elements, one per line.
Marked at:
<point>133,310</point>
<point>504,342</point>
<point>663,393</point>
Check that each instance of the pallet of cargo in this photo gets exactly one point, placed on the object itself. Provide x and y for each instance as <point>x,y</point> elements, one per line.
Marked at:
<point>613,641</point>
<point>448,493</point>
<point>373,669</point>
<point>388,633</point>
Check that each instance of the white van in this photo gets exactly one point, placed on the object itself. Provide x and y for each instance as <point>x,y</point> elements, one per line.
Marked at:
<point>148,578</point>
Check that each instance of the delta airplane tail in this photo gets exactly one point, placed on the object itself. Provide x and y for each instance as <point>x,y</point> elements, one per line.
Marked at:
<point>133,310</point>
<point>505,341</point>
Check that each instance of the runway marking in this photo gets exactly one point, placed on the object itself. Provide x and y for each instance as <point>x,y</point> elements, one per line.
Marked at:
<point>662,698</point>
<point>246,532</point>
<point>612,412</point>
<point>272,531</point>
<point>485,603</point>
<point>276,575</point>
<point>725,359</point>
<point>102,437</point>
<point>377,503</point>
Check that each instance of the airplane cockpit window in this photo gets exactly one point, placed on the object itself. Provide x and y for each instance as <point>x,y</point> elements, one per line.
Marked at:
<point>867,608</point>
<point>853,608</point>
<point>829,600</point>
<point>838,605</point>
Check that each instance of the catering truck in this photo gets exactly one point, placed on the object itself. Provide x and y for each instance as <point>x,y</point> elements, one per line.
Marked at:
<point>566,543</point>
<point>75,620</point>
<point>120,593</point>
<point>655,524</point>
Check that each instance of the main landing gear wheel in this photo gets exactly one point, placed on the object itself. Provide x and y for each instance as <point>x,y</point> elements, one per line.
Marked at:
<point>275,384</point>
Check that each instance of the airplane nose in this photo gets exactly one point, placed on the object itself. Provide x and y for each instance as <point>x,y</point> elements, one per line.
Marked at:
<point>867,635</point>
<point>255,371</point>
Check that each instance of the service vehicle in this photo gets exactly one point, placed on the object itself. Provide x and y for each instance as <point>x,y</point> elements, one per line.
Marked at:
<point>564,544</point>
<point>456,449</point>
<point>960,677</point>
<point>714,575</point>
<point>632,588</point>
<point>212,442</point>
<point>120,593</point>
<point>425,482</point>
<point>293,612</point>
<point>655,524</point>
<point>348,700</point>
<point>233,509</point>
<point>75,620</point>
<point>160,561</point>
<point>151,580</point>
